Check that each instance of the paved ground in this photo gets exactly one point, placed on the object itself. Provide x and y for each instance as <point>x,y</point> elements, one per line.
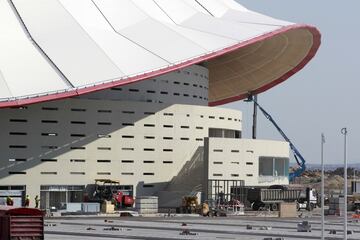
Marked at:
<point>203,228</point>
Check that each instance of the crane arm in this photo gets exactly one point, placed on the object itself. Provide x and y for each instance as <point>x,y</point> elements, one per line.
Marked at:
<point>297,155</point>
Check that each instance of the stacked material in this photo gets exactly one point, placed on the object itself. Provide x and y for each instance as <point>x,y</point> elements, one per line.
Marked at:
<point>336,206</point>
<point>146,204</point>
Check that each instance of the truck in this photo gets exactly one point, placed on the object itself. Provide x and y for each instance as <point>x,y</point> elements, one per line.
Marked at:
<point>270,198</point>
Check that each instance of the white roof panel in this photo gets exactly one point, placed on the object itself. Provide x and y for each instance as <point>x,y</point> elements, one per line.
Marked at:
<point>60,36</point>
<point>113,44</point>
<point>53,49</point>
<point>24,69</point>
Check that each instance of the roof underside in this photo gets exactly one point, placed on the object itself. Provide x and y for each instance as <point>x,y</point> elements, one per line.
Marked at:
<point>52,49</point>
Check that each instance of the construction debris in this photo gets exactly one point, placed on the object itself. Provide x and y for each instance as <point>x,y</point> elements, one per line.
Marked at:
<point>187,232</point>
<point>305,226</point>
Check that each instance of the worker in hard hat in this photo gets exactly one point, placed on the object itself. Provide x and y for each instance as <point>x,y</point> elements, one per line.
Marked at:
<point>27,201</point>
<point>9,201</point>
<point>37,201</point>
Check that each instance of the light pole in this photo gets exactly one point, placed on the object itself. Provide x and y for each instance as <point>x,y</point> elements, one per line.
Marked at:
<point>344,132</point>
<point>322,186</point>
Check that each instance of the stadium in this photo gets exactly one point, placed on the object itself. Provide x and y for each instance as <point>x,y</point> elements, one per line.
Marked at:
<point>131,91</point>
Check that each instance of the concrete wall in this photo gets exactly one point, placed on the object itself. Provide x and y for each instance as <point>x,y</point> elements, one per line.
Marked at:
<point>139,143</point>
<point>238,159</point>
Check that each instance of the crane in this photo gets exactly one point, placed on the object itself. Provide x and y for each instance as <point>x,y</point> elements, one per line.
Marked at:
<point>297,155</point>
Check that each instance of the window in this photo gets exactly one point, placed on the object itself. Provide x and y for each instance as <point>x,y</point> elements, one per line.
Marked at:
<point>168,114</point>
<point>127,136</point>
<point>104,136</point>
<point>229,119</point>
<point>116,89</point>
<point>176,82</point>
<point>167,150</point>
<point>49,121</point>
<point>163,92</point>
<point>150,91</point>
<point>103,161</point>
<point>149,149</point>
<point>199,139</point>
<point>235,162</point>
<point>103,173</point>
<point>184,139</point>
<point>104,111</point>
<point>127,149</point>
<point>148,174</point>
<point>167,162</point>
<point>17,173</point>
<point>218,162</point>
<point>49,147</point>
<point>149,113</point>
<point>50,108</point>
<point>185,95</point>
<point>17,146</point>
<point>133,90</point>
<point>104,148</point>
<point>186,84</point>
<point>168,138</point>
<point>218,150</point>
<point>78,110</point>
<point>49,160</point>
<point>18,133</point>
<point>249,163</point>
<point>184,127</point>
<point>149,137</point>
<point>149,125</point>
<point>221,118</point>
<point>176,94</point>
<point>77,135</point>
<point>17,159</point>
<point>127,173</point>
<point>217,174</point>
<point>128,112</point>
<point>78,160</point>
<point>104,123</point>
<point>48,173</point>
<point>77,173</point>
<point>212,117</point>
<point>235,151</point>
<point>168,126</point>
<point>128,124</point>
<point>249,151</point>
<point>148,186</point>
<point>127,161</point>
<point>249,175</point>
<point>78,122</point>
<point>199,128</point>
<point>49,134</point>
<point>149,161</point>
<point>234,175</point>
<point>79,148</point>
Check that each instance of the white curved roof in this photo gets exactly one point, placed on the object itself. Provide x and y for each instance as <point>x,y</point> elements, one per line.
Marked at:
<point>51,49</point>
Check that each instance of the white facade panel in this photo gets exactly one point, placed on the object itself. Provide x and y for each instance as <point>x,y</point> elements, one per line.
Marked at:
<point>4,90</point>
<point>177,10</point>
<point>121,14</point>
<point>23,68</point>
<point>62,37</point>
<point>238,159</point>
<point>152,10</point>
<point>113,44</point>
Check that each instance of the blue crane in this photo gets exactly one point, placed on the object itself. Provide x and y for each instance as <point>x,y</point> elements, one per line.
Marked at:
<point>297,155</point>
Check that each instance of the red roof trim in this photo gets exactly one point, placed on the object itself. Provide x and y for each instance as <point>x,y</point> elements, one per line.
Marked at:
<point>72,93</point>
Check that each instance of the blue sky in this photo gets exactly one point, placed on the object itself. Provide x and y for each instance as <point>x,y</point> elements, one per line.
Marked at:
<point>323,97</point>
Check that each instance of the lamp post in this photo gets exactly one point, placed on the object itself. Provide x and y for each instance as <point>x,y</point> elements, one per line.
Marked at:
<point>344,132</point>
<point>322,186</point>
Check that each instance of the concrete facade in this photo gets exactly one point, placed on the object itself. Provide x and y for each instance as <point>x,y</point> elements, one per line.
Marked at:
<point>147,135</point>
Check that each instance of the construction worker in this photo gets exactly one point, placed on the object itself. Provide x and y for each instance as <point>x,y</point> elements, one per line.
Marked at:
<point>9,201</point>
<point>37,201</point>
<point>27,201</point>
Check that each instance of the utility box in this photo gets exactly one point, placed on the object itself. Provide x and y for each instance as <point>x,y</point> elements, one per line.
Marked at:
<point>21,223</point>
<point>288,210</point>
